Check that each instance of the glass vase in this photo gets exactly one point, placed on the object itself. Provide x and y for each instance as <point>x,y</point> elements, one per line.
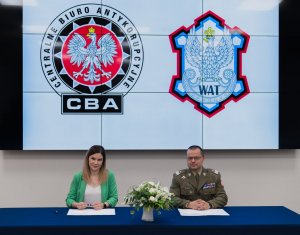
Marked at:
<point>148,214</point>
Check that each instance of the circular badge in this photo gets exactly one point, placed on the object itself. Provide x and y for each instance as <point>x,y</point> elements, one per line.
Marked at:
<point>91,49</point>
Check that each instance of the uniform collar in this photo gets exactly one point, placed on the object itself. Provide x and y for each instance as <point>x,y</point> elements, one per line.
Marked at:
<point>202,179</point>
<point>200,172</point>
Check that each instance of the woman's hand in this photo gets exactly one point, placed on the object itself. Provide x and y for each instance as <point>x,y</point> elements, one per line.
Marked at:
<point>98,205</point>
<point>79,205</point>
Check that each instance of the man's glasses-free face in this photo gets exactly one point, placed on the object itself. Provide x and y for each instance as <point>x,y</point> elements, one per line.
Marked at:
<point>194,158</point>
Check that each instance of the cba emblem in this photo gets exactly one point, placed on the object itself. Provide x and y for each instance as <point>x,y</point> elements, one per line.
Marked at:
<point>209,64</point>
<point>92,56</point>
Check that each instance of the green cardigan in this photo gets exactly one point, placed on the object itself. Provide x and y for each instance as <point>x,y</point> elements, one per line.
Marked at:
<point>109,191</point>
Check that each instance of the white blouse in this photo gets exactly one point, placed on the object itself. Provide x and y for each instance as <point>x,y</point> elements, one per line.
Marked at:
<point>92,194</point>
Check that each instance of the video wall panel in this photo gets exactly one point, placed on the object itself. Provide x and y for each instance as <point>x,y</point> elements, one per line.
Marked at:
<point>160,76</point>
<point>150,74</point>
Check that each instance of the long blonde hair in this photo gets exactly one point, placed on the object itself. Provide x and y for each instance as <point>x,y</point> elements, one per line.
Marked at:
<point>86,172</point>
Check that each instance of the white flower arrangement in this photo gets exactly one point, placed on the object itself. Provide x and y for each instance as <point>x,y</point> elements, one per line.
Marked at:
<point>149,195</point>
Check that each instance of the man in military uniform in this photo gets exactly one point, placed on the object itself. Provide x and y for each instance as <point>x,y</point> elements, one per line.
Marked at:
<point>198,188</point>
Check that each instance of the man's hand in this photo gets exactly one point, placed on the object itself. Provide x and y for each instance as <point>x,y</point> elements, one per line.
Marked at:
<point>198,205</point>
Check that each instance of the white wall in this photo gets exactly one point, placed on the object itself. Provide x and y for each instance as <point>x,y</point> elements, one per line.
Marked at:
<point>42,178</point>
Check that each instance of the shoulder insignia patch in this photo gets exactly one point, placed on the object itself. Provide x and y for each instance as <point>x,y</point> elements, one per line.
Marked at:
<point>213,171</point>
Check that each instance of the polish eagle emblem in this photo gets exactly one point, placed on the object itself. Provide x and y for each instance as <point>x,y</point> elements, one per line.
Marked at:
<point>209,64</point>
<point>209,61</point>
<point>91,57</point>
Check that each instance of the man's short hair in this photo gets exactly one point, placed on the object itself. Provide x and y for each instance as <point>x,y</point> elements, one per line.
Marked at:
<point>193,147</point>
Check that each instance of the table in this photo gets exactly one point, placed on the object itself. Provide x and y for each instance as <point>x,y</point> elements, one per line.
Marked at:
<point>254,220</point>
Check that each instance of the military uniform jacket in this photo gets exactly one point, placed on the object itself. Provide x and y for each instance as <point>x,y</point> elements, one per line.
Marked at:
<point>209,188</point>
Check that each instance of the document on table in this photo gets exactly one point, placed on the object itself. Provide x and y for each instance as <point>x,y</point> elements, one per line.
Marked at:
<point>191,212</point>
<point>109,211</point>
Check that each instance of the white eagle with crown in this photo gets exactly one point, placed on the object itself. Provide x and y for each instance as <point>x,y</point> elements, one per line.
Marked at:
<point>93,55</point>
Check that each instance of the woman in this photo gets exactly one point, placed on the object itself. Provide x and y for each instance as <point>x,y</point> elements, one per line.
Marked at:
<point>94,186</point>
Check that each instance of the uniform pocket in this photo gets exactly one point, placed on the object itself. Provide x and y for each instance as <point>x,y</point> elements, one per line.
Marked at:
<point>209,191</point>
<point>187,190</point>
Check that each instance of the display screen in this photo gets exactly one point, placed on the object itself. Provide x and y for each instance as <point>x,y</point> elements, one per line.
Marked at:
<point>145,74</point>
